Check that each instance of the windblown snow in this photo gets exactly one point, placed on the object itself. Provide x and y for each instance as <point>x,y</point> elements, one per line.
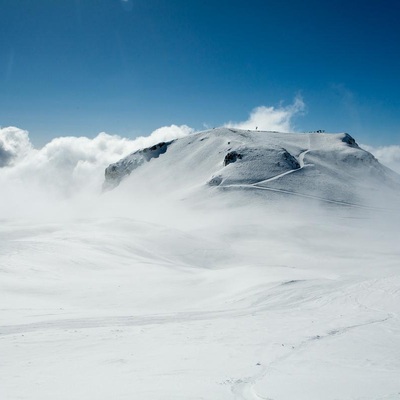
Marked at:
<point>227,264</point>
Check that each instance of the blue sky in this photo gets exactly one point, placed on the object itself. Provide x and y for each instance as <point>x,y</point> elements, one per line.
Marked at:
<point>78,67</point>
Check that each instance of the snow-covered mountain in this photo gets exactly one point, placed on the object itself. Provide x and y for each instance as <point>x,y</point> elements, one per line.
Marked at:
<point>329,167</point>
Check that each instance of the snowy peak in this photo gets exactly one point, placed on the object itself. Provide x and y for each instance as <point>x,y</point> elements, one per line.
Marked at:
<point>330,167</point>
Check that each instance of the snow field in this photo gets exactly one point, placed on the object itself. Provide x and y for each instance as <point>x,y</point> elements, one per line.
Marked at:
<point>259,306</point>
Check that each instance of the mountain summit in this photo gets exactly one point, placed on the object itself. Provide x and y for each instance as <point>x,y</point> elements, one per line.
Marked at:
<point>328,167</point>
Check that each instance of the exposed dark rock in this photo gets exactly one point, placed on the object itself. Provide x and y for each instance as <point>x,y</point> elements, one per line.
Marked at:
<point>114,173</point>
<point>291,160</point>
<point>349,140</point>
<point>232,157</point>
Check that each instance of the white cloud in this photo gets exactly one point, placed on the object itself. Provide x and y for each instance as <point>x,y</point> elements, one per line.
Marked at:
<point>271,118</point>
<point>387,155</point>
<point>164,134</point>
<point>68,165</point>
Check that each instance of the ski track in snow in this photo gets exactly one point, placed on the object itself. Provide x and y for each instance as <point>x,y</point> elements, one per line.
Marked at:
<point>244,389</point>
<point>302,164</point>
<point>307,196</point>
<point>131,320</point>
<point>107,322</point>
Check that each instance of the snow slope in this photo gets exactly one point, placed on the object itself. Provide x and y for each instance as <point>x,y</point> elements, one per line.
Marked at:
<point>176,286</point>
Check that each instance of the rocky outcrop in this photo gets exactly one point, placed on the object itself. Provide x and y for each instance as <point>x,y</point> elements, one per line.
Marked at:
<point>349,140</point>
<point>231,157</point>
<point>114,173</point>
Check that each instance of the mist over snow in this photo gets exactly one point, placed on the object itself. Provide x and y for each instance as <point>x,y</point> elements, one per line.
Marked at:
<point>65,167</point>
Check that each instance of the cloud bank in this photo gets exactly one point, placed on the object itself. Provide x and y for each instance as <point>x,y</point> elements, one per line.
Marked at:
<point>272,118</point>
<point>68,165</point>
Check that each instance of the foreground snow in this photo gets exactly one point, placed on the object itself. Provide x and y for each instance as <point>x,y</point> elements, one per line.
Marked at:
<point>279,302</point>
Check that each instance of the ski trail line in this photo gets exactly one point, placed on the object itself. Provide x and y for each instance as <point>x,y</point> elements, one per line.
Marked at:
<point>301,163</point>
<point>243,389</point>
